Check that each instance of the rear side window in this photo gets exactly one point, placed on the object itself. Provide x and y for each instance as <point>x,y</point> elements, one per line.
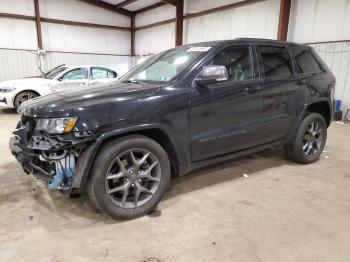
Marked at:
<point>276,61</point>
<point>305,61</point>
<point>111,74</point>
<point>98,73</point>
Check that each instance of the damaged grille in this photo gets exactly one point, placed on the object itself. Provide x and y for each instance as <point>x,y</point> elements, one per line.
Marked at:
<point>50,157</point>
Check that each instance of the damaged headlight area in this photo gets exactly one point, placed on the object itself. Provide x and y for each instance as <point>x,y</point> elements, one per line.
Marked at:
<point>56,125</point>
<point>49,149</point>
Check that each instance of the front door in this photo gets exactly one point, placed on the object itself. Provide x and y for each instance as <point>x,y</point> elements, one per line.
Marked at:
<point>226,116</point>
<point>75,78</point>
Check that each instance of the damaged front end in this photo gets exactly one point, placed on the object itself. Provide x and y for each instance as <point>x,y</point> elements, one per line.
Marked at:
<point>52,157</point>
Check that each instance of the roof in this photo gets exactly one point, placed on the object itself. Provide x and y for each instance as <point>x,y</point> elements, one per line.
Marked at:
<point>242,40</point>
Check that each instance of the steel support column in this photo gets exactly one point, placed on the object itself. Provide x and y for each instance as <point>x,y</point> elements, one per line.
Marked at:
<point>283,20</point>
<point>179,22</point>
<point>132,35</point>
<point>38,24</point>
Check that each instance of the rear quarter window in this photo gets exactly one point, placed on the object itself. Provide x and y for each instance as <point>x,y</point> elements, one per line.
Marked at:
<point>276,61</point>
<point>305,61</point>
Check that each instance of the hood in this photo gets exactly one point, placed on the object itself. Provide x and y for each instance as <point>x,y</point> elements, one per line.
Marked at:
<point>24,81</point>
<point>78,101</point>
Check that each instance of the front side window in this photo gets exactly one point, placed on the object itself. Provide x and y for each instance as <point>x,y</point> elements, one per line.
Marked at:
<point>305,61</point>
<point>238,62</point>
<point>276,61</point>
<point>98,73</point>
<point>75,74</point>
<point>167,65</point>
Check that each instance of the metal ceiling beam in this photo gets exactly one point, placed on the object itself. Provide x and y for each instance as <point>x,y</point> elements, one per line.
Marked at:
<point>16,16</point>
<point>63,22</point>
<point>125,3</point>
<point>91,25</point>
<point>108,7</point>
<point>283,21</point>
<point>169,21</point>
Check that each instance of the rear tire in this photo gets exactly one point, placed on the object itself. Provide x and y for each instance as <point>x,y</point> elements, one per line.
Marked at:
<point>309,140</point>
<point>129,177</point>
<point>22,97</point>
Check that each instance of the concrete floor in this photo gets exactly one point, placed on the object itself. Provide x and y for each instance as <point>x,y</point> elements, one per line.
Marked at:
<point>281,212</point>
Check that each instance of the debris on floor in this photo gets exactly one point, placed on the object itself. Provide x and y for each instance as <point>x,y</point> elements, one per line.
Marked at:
<point>245,175</point>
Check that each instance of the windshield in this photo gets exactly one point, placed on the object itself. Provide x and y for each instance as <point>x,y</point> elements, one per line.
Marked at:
<point>167,65</point>
<point>53,73</point>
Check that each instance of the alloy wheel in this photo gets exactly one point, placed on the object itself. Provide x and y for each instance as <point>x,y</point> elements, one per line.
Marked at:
<point>313,138</point>
<point>25,97</point>
<point>132,178</point>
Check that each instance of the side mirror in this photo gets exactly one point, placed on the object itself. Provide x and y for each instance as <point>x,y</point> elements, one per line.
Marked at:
<point>212,74</point>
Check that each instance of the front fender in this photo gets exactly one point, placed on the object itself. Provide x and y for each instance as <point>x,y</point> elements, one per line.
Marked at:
<point>87,157</point>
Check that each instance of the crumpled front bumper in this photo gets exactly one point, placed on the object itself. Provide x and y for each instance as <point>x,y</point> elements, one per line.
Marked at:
<point>49,157</point>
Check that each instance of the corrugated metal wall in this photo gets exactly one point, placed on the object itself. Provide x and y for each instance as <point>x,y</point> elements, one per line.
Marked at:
<point>326,21</point>
<point>155,39</point>
<point>319,20</point>
<point>17,63</point>
<point>18,40</point>
<point>255,20</point>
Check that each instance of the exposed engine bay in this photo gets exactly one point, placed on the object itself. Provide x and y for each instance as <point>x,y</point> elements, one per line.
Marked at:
<point>51,157</point>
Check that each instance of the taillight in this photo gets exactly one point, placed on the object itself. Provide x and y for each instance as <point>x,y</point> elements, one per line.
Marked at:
<point>334,80</point>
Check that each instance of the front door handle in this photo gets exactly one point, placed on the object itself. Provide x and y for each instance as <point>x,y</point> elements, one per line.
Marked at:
<point>300,82</point>
<point>253,88</point>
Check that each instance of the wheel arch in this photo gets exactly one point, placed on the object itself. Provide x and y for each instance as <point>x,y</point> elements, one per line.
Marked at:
<point>25,90</point>
<point>319,106</point>
<point>84,165</point>
<point>323,108</point>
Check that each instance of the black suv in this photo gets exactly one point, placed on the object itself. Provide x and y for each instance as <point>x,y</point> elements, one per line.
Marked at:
<point>181,109</point>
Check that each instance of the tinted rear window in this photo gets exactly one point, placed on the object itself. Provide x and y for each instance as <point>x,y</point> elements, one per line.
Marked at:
<point>305,61</point>
<point>276,61</point>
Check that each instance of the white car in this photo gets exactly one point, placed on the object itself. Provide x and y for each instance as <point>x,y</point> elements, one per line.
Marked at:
<point>14,92</point>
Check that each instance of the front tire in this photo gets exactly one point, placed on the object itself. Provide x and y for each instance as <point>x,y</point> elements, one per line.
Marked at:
<point>22,97</point>
<point>129,178</point>
<point>308,142</point>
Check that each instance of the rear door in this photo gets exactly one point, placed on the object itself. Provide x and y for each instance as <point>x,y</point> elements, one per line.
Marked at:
<point>226,116</point>
<point>283,92</point>
<point>101,75</point>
